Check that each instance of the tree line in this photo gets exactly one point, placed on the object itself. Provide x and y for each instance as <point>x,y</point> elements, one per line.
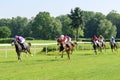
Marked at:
<point>78,23</point>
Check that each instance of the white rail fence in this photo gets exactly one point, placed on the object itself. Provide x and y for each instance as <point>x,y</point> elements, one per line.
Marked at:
<point>34,46</point>
<point>6,47</point>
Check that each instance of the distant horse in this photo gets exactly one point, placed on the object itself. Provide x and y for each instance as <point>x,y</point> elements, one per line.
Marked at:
<point>19,48</point>
<point>66,47</point>
<point>113,46</point>
<point>99,47</point>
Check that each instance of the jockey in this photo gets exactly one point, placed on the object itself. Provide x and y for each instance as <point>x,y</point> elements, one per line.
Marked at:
<point>65,39</point>
<point>112,39</point>
<point>20,40</point>
<point>101,39</point>
<point>95,40</point>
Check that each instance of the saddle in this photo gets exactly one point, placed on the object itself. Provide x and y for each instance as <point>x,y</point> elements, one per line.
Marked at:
<point>23,46</point>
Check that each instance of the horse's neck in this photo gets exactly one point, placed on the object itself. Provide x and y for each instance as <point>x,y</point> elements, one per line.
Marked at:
<point>18,46</point>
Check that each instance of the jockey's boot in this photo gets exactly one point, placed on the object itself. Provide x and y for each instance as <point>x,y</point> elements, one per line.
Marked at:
<point>23,47</point>
<point>102,44</point>
<point>98,44</point>
<point>67,46</point>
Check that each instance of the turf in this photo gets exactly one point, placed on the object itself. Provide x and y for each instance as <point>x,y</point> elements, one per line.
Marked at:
<point>84,65</point>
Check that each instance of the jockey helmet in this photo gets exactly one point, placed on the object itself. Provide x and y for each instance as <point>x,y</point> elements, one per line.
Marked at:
<point>62,36</point>
<point>112,37</point>
<point>16,36</point>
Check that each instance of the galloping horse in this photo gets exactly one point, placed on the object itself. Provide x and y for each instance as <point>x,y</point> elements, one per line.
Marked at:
<point>113,46</point>
<point>19,48</point>
<point>99,47</point>
<point>66,47</point>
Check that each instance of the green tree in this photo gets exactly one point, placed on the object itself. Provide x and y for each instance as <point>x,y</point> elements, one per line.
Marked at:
<point>56,28</point>
<point>77,20</point>
<point>91,24</point>
<point>4,32</point>
<point>44,26</point>
<point>106,28</point>
<point>28,32</point>
<point>114,17</point>
<point>18,25</point>
<point>66,27</point>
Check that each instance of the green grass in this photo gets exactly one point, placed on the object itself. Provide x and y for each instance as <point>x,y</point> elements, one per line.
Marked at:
<point>84,65</point>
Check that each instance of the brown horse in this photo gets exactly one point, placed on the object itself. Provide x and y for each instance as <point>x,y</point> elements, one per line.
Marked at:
<point>19,48</point>
<point>66,47</point>
<point>113,46</point>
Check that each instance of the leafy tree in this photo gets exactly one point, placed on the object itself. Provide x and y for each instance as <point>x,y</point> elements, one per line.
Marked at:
<point>106,28</point>
<point>55,29</point>
<point>91,24</point>
<point>66,27</point>
<point>28,29</point>
<point>5,22</point>
<point>77,20</point>
<point>18,25</point>
<point>4,32</point>
<point>45,27</point>
<point>114,17</point>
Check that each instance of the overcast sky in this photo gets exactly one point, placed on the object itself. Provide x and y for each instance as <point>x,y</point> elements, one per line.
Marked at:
<point>30,8</point>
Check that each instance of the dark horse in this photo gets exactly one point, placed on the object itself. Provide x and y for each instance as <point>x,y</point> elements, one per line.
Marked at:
<point>113,46</point>
<point>19,49</point>
<point>99,46</point>
<point>66,47</point>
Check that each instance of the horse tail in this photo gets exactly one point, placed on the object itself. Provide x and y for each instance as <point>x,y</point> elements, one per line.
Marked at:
<point>29,43</point>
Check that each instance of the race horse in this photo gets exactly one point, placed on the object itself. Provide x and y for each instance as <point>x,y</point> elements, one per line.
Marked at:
<point>99,46</point>
<point>66,47</point>
<point>113,46</point>
<point>19,49</point>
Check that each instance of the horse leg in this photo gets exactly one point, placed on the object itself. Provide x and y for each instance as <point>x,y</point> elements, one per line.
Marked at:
<point>71,51</point>
<point>95,52</point>
<point>100,49</point>
<point>112,48</point>
<point>62,55</point>
<point>68,54</point>
<point>18,54</point>
<point>28,50</point>
<point>116,48</point>
<point>95,49</point>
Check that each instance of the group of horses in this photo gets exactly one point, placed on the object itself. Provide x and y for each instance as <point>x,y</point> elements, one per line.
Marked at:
<point>68,48</point>
<point>102,45</point>
<point>64,47</point>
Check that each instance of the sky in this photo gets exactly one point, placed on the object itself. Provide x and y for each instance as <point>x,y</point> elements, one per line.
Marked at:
<point>30,8</point>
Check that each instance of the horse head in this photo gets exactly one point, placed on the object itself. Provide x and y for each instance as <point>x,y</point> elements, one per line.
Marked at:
<point>14,42</point>
<point>59,41</point>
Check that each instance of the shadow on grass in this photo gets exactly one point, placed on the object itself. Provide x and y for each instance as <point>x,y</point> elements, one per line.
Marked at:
<point>8,61</point>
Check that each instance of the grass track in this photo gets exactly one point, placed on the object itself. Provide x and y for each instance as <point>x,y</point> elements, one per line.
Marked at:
<point>84,65</point>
